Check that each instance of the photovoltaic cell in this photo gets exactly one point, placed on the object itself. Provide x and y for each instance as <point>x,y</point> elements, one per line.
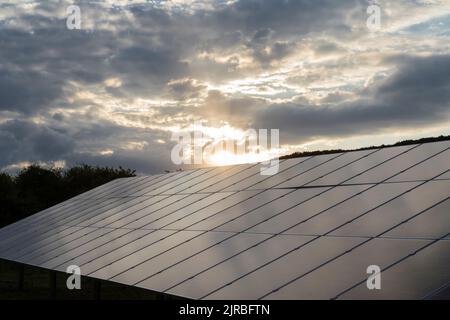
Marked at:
<point>177,273</point>
<point>210,204</point>
<point>445,176</point>
<point>300,167</point>
<point>63,248</point>
<point>187,181</point>
<point>401,163</point>
<point>109,187</point>
<point>354,169</point>
<point>31,256</point>
<point>16,228</point>
<point>221,180</point>
<point>330,279</point>
<point>159,262</point>
<point>307,209</point>
<point>414,278</point>
<point>210,217</point>
<point>434,224</point>
<point>106,219</point>
<point>30,232</point>
<point>396,210</point>
<point>133,259</point>
<point>151,211</point>
<point>178,210</point>
<point>233,220</point>
<point>250,285</point>
<point>255,178</point>
<point>352,208</point>
<point>81,247</point>
<point>223,273</point>
<point>426,170</point>
<point>324,169</point>
<point>37,242</point>
<point>99,251</point>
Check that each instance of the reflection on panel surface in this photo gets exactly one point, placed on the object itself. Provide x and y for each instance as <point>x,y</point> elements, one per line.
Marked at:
<point>426,170</point>
<point>285,268</point>
<point>324,169</point>
<point>352,208</point>
<point>445,175</point>
<point>249,203</point>
<point>406,160</point>
<point>315,205</point>
<point>397,210</point>
<point>176,274</point>
<point>329,280</point>
<point>227,271</point>
<point>360,166</point>
<point>434,224</point>
<point>237,222</point>
<point>413,278</point>
<point>299,169</point>
<point>148,250</point>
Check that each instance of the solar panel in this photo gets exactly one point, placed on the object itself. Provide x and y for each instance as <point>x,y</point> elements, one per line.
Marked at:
<point>352,208</point>
<point>433,224</point>
<point>405,161</point>
<point>397,210</point>
<point>335,276</point>
<point>302,167</point>
<point>326,168</point>
<point>418,276</point>
<point>282,221</point>
<point>309,231</point>
<point>176,273</point>
<point>444,176</point>
<point>235,220</point>
<point>301,258</point>
<point>372,160</point>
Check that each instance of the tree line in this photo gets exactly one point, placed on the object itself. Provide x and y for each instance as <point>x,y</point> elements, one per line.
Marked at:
<point>36,188</point>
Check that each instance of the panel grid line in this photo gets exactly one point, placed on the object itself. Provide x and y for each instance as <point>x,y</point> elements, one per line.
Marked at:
<point>396,262</point>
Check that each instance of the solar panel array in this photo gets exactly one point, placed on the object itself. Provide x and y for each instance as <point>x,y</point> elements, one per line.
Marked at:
<point>308,232</point>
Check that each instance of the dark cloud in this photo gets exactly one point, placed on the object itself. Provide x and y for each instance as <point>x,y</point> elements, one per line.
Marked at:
<point>417,94</point>
<point>285,18</point>
<point>27,91</point>
<point>22,140</point>
<point>185,89</point>
<point>237,111</point>
<point>27,141</point>
<point>265,50</point>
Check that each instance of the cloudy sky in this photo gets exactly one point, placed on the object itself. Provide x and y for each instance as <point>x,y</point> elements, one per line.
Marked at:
<point>113,92</point>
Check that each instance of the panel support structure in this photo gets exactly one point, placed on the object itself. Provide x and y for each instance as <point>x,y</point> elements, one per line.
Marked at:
<point>97,289</point>
<point>21,277</point>
<point>52,285</point>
